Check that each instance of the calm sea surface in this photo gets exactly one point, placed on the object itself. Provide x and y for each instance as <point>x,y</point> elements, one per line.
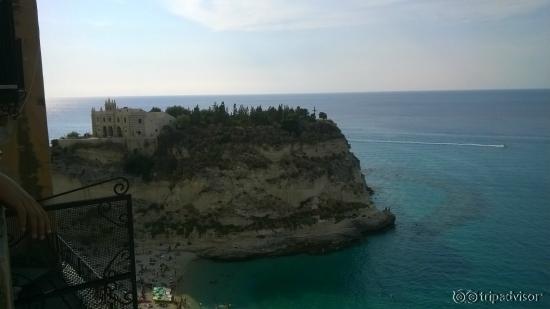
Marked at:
<point>466,173</point>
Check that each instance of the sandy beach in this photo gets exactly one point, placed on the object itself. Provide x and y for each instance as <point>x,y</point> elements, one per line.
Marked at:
<point>161,265</point>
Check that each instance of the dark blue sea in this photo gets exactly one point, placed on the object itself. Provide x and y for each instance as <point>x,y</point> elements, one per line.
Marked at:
<point>467,174</point>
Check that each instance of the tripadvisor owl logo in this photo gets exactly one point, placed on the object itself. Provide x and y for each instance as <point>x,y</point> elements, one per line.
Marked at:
<point>470,297</point>
<point>465,297</point>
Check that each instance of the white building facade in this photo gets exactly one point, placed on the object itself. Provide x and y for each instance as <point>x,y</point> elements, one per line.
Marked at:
<point>127,122</point>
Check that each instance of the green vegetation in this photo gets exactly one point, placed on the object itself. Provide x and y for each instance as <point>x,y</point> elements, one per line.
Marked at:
<point>176,111</point>
<point>290,119</point>
<point>214,137</point>
<point>76,135</point>
<point>73,134</point>
<point>139,165</point>
<point>155,109</point>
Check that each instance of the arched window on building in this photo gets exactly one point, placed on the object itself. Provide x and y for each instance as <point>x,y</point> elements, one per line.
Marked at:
<point>110,131</point>
<point>118,132</point>
<point>139,120</point>
<point>104,131</point>
<point>138,132</point>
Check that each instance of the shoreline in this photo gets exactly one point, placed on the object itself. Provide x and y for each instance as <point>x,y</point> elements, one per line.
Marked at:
<point>162,262</point>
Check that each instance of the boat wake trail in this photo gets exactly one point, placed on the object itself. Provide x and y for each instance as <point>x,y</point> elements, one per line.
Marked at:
<point>425,143</point>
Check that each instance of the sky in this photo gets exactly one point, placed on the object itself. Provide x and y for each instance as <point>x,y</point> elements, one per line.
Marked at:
<point>179,47</point>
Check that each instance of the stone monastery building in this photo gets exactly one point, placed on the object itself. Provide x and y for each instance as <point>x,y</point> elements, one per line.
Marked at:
<point>127,122</point>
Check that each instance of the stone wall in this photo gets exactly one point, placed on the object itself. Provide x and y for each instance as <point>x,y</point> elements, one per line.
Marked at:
<point>155,121</point>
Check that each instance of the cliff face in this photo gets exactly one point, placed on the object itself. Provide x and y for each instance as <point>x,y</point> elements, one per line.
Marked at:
<point>250,199</point>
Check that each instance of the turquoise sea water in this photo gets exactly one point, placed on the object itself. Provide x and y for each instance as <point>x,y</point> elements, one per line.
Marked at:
<point>470,214</point>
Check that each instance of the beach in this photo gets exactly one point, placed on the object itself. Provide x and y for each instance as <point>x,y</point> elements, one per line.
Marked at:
<point>161,265</point>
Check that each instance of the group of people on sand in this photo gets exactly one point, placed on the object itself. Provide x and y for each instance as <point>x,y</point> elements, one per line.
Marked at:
<point>180,302</point>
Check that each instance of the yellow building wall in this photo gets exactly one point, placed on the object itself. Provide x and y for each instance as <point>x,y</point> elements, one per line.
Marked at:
<point>24,144</point>
<point>25,151</point>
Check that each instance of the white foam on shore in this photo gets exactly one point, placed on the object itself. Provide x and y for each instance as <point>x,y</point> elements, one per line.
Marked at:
<point>426,143</point>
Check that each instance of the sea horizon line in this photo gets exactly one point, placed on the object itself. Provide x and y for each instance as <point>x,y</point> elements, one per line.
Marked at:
<point>300,93</point>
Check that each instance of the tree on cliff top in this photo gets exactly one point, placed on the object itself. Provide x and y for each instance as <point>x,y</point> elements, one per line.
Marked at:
<point>73,134</point>
<point>288,117</point>
<point>177,110</point>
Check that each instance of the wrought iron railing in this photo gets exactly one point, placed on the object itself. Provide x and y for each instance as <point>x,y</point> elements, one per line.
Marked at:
<point>93,249</point>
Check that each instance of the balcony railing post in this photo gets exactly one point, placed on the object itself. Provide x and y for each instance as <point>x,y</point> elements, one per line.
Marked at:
<point>6,292</point>
<point>132,250</point>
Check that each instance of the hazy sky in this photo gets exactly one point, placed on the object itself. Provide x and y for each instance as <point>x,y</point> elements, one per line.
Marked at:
<point>168,47</point>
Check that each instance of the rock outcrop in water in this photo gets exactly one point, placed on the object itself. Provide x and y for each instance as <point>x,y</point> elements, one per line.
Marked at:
<point>235,192</point>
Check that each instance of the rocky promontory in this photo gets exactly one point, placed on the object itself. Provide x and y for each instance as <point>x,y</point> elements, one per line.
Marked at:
<point>237,185</point>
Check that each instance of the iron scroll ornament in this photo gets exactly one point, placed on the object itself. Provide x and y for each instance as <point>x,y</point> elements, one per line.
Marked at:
<point>117,291</point>
<point>104,210</point>
<point>121,187</point>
